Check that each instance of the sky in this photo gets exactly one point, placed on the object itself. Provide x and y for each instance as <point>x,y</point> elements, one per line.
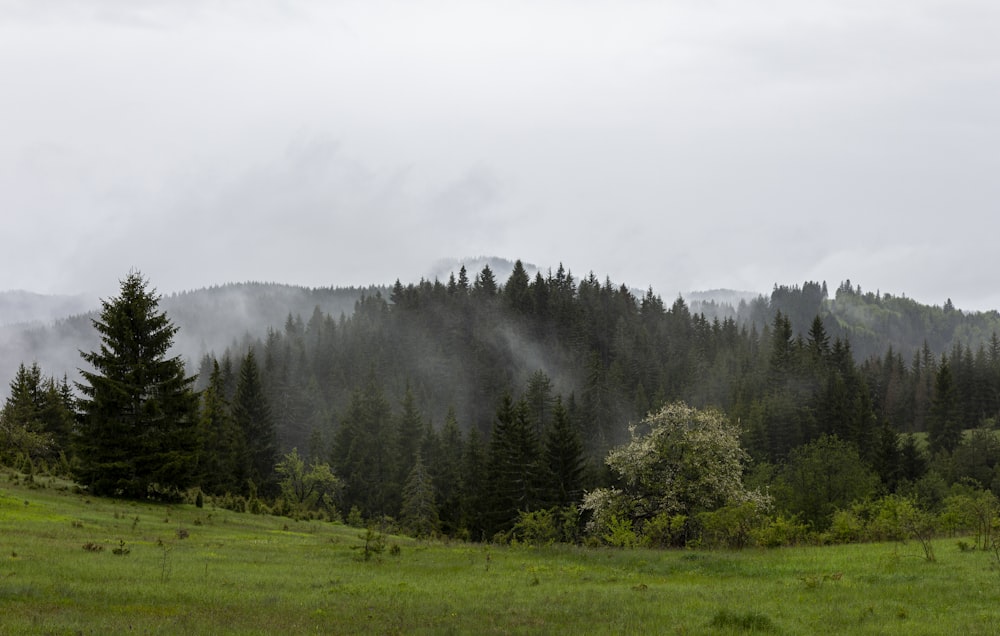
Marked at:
<point>675,144</point>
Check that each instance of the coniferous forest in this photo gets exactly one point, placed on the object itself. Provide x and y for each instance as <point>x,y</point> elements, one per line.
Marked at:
<point>485,409</point>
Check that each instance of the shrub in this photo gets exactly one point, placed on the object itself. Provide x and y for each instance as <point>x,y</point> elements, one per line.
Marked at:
<point>847,527</point>
<point>620,533</point>
<point>354,518</point>
<point>781,531</point>
<point>665,530</point>
<point>535,528</point>
<point>731,526</point>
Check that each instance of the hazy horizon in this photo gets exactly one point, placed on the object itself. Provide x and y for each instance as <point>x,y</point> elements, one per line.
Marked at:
<point>679,145</point>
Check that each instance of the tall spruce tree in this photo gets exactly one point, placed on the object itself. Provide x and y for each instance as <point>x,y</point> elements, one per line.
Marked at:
<point>419,513</point>
<point>944,430</point>
<point>221,442</point>
<point>259,442</point>
<point>409,430</point>
<point>565,458</point>
<point>362,453</point>
<point>514,466</point>
<point>448,475</point>
<point>136,436</point>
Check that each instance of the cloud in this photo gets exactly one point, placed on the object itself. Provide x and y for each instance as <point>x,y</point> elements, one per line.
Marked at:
<point>683,144</point>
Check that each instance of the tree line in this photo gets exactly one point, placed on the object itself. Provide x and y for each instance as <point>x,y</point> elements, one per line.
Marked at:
<point>459,407</point>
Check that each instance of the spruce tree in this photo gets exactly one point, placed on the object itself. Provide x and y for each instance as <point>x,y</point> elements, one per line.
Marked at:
<point>221,444</point>
<point>362,454</point>
<point>514,466</point>
<point>137,435</point>
<point>419,514</point>
<point>409,430</point>
<point>516,290</point>
<point>252,414</point>
<point>565,459</point>
<point>474,486</point>
<point>944,430</point>
<point>36,419</point>
<point>448,475</point>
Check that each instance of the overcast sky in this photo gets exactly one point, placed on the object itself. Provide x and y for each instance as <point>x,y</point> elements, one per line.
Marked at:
<point>678,144</point>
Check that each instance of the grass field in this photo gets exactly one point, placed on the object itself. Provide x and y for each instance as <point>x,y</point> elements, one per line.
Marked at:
<point>184,570</point>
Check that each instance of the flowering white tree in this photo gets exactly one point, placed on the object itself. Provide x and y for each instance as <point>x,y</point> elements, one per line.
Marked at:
<point>684,461</point>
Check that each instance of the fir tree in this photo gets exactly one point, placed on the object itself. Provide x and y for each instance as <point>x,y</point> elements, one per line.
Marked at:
<point>474,486</point>
<point>36,418</point>
<point>944,431</point>
<point>409,430</point>
<point>565,459</point>
<point>252,414</point>
<point>138,411</point>
<point>362,453</point>
<point>516,290</point>
<point>419,513</point>
<point>448,475</point>
<point>514,468</point>
<point>221,444</point>
<point>485,283</point>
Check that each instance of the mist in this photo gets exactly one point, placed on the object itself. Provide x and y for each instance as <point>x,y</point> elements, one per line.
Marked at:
<point>679,146</point>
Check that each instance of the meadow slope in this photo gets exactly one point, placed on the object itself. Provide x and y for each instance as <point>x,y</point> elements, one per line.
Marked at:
<point>72,564</point>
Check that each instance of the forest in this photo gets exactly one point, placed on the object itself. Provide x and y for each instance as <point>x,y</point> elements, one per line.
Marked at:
<point>488,409</point>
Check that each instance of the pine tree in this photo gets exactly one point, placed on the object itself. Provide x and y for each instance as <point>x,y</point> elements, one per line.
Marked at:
<point>448,477</point>
<point>564,456</point>
<point>474,486</point>
<point>26,400</point>
<point>485,283</point>
<point>409,430</point>
<point>138,412</point>
<point>36,418</point>
<point>539,399</point>
<point>221,444</point>
<point>516,290</point>
<point>818,341</point>
<point>252,414</point>
<point>514,466</point>
<point>912,460</point>
<point>944,431</point>
<point>419,513</point>
<point>362,454</point>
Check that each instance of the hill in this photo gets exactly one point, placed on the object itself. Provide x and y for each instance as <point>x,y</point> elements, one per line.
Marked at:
<point>471,384</point>
<point>26,308</point>
<point>209,320</point>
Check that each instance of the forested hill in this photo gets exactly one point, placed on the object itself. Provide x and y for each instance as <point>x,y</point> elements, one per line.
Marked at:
<point>874,322</point>
<point>476,373</point>
<point>609,355</point>
<point>595,325</point>
<point>209,320</point>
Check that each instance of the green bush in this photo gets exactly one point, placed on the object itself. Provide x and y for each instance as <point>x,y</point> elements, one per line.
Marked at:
<point>665,530</point>
<point>730,526</point>
<point>781,531</point>
<point>619,533</point>
<point>536,528</point>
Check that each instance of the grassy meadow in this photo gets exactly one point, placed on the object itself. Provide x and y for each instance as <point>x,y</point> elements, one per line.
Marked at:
<point>70,564</point>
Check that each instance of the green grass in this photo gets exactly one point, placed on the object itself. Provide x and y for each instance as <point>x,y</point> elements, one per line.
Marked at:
<point>245,574</point>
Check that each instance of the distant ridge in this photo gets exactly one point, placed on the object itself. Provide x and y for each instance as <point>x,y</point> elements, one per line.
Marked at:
<point>721,296</point>
<point>25,307</point>
<point>501,268</point>
<point>52,329</point>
